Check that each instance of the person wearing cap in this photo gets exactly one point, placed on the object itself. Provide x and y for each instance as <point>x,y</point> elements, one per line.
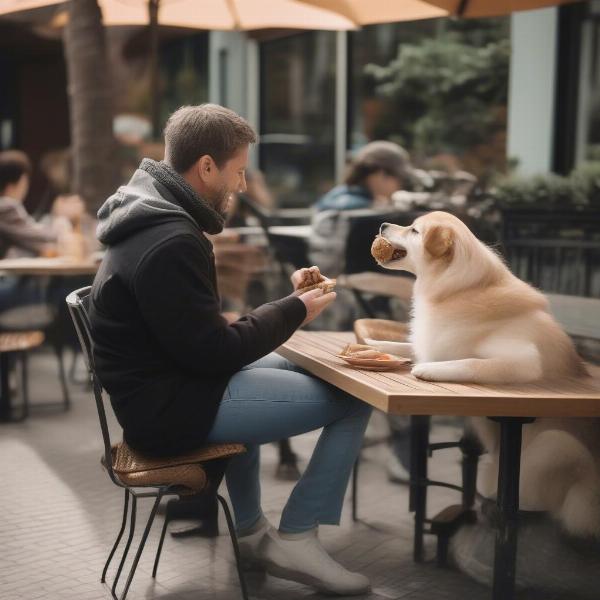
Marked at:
<point>379,169</point>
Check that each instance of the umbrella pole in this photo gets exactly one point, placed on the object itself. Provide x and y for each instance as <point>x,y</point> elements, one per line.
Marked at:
<point>154,74</point>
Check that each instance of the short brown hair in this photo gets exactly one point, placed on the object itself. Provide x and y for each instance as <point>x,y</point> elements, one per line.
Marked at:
<point>13,165</point>
<point>379,156</point>
<point>193,131</point>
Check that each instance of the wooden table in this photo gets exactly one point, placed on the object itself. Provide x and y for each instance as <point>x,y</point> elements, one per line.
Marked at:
<point>398,392</point>
<point>43,267</point>
<point>291,231</point>
<point>40,266</point>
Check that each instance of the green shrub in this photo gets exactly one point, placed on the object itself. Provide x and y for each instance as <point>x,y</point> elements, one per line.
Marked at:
<point>579,189</point>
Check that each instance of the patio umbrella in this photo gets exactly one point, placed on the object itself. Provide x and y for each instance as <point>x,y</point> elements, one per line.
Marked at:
<point>226,15</point>
<point>241,15</point>
<point>385,11</point>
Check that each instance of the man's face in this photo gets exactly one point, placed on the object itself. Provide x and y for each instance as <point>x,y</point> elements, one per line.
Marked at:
<point>228,180</point>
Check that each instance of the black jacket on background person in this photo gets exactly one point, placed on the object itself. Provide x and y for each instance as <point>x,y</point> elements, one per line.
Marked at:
<point>162,349</point>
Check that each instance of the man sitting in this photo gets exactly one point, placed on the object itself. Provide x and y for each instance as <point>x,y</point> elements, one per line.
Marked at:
<point>180,376</point>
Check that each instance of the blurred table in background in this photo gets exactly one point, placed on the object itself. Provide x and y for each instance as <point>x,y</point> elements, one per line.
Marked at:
<point>59,266</point>
<point>240,254</point>
<point>301,232</point>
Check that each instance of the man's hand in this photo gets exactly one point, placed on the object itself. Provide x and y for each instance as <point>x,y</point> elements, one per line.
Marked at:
<point>305,277</point>
<point>315,301</point>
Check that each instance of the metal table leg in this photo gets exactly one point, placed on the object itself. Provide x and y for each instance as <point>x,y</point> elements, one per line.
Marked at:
<point>5,399</point>
<point>507,506</point>
<point>419,442</point>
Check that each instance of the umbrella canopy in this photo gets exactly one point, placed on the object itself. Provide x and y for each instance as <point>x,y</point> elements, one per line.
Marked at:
<point>223,15</point>
<point>226,15</point>
<point>384,11</point>
<point>494,8</point>
<point>218,15</point>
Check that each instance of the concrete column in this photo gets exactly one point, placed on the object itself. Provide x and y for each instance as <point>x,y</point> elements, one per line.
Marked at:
<point>532,89</point>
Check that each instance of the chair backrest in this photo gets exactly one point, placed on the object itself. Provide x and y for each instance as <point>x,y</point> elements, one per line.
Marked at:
<point>262,214</point>
<point>78,303</point>
<point>362,229</point>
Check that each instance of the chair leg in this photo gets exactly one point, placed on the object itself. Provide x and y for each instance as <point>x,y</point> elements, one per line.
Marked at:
<point>234,543</point>
<point>363,304</point>
<point>25,383</point>
<point>419,433</point>
<point>5,403</point>
<point>471,451</point>
<point>127,546</point>
<point>140,549</point>
<point>160,545</point>
<point>119,536</point>
<point>58,350</point>
<point>73,367</point>
<point>355,489</point>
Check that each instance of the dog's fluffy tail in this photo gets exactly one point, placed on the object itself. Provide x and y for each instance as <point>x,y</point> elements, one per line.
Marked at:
<point>580,511</point>
<point>559,474</point>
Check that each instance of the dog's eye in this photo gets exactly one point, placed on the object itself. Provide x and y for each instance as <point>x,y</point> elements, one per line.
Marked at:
<point>413,230</point>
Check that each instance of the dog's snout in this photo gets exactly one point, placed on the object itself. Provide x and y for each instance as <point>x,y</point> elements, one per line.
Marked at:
<point>382,227</point>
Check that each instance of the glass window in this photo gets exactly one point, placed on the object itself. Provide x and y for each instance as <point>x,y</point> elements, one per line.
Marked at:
<point>437,87</point>
<point>183,79</point>
<point>588,125</point>
<point>297,116</point>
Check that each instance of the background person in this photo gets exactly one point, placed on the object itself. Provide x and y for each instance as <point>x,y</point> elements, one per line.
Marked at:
<point>19,232</point>
<point>377,171</point>
<point>75,228</point>
<point>17,228</point>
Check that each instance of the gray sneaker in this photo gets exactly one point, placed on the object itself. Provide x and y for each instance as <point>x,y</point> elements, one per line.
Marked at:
<point>301,558</point>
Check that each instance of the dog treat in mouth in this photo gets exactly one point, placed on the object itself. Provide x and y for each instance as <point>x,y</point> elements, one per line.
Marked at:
<point>313,280</point>
<point>381,249</point>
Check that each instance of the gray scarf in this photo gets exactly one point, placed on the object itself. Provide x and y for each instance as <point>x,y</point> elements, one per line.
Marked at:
<point>205,215</point>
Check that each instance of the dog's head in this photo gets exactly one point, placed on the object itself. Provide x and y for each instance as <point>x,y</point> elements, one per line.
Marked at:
<point>429,242</point>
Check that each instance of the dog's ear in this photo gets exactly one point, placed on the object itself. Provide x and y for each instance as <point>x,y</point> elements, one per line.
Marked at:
<point>439,241</point>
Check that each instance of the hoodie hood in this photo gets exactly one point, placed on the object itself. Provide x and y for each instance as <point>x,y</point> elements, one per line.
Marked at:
<point>155,194</point>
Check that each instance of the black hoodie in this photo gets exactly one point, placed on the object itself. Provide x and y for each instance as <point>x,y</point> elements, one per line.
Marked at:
<point>162,349</point>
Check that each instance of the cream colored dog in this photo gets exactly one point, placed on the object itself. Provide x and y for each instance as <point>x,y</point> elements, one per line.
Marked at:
<point>474,321</point>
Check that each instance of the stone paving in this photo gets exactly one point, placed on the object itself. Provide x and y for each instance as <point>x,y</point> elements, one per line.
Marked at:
<point>59,514</point>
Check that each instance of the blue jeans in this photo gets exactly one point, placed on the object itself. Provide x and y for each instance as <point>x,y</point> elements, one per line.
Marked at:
<point>272,399</point>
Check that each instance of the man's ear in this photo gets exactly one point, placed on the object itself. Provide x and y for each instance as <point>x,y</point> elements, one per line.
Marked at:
<point>205,166</point>
<point>439,241</point>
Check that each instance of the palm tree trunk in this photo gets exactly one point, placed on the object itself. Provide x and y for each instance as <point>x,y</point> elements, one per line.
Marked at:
<point>90,104</point>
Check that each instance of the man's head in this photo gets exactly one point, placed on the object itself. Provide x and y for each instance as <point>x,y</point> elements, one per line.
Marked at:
<point>208,145</point>
<point>15,171</point>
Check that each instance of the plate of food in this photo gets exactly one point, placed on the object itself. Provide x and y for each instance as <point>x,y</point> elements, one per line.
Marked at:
<point>362,356</point>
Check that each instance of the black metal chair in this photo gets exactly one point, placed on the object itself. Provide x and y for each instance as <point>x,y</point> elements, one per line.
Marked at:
<point>290,252</point>
<point>371,285</point>
<point>78,302</point>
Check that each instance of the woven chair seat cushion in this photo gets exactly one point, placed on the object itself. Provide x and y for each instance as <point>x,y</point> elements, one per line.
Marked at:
<point>19,341</point>
<point>27,317</point>
<point>184,470</point>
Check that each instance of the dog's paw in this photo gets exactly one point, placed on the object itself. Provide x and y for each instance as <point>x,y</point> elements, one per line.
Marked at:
<point>427,371</point>
<point>403,349</point>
